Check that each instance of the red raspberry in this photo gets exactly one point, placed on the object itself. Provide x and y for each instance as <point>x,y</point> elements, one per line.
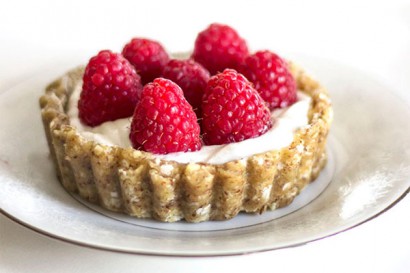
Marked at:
<point>147,56</point>
<point>164,121</point>
<point>271,77</point>
<point>191,77</point>
<point>232,110</point>
<point>219,47</point>
<point>111,89</point>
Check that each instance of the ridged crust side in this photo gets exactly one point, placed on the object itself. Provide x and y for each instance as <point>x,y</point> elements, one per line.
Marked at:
<point>141,185</point>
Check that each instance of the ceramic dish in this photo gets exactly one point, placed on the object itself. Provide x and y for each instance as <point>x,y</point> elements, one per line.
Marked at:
<point>368,172</point>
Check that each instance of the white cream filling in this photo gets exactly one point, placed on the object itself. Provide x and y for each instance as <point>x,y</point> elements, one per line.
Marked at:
<point>286,122</point>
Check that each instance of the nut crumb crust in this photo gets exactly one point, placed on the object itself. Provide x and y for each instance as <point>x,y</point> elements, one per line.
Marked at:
<point>139,184</point>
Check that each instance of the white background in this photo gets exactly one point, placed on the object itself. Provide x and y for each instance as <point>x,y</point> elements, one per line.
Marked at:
<point>372,36</point>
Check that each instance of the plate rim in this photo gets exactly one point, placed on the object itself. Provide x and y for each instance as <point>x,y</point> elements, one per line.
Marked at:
<point>117,250</point>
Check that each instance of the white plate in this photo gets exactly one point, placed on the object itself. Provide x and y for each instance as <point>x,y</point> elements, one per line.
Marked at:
<point>368,169</point>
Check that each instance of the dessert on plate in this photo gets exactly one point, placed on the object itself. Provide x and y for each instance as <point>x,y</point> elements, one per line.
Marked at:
<point>194,137</point>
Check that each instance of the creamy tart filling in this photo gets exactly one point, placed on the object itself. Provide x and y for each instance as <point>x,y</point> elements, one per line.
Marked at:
<point>286,122</point>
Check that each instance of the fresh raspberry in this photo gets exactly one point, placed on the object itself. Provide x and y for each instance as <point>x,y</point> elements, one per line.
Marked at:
<point>219,47</point>
<point>233,110</point>
<point>164,121</point>
<point>110,91</point>
<point>271,77</point>
<point>191,77</point>
<point>147,56</point>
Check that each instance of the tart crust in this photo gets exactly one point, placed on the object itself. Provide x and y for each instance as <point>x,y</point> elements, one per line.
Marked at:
<point>141,185</point>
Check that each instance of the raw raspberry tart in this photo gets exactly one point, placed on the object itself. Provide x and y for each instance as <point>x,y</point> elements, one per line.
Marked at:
<point>200,137</point>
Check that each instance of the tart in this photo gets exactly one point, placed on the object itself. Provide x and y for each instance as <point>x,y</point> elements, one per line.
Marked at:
<point>145,185</point>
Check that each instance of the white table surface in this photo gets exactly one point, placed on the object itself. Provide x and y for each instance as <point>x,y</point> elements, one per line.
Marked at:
<point>373,36</point>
